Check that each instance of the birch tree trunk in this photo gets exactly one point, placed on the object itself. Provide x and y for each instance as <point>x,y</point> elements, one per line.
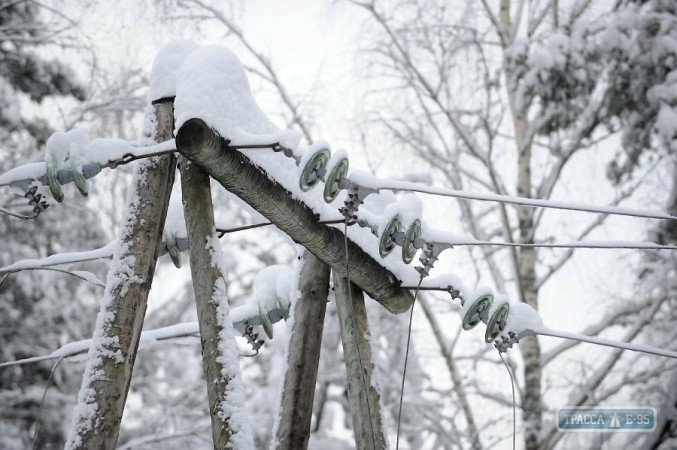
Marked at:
<point>526,262</point>
<point>219,350</point>
<point>363,395</point>
<point>303,358</point>
<point>102,396</point>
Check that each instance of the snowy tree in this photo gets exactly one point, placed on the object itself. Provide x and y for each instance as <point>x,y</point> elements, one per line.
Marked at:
<point>37,309</point>
<point>550,82</point>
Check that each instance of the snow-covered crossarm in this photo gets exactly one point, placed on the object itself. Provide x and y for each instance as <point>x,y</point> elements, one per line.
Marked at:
<point>236,172</point>
<point>242,317</point>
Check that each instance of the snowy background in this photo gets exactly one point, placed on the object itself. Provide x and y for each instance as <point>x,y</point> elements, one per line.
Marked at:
<point>573,101</point>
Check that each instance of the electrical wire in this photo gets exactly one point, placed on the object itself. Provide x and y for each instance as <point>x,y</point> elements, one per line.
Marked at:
<point>224,231</point>
<point>42,402</point>
<point>406,359</point>
<point>17,215</point>
<point>629,245</point>
<point>543,331</point>
<point>406,186</point>
<point>514,407</point>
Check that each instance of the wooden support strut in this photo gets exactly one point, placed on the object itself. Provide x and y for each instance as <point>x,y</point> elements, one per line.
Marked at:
<point>303,358</point>
<point>199,216</point>
<point>109,367</point>
<point>197,141</point>
<point>363,395</point>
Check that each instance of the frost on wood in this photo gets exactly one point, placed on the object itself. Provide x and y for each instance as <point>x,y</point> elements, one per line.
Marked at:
<point>231,408</point>
<point>105,342</point>
<point>102,396</point>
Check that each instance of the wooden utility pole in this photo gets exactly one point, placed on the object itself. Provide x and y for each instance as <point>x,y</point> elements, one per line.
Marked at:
<point>296,404</point>
<point>234,171</point>
<point>363,396</point>
<point>102,396</point>
<point>205,256</point>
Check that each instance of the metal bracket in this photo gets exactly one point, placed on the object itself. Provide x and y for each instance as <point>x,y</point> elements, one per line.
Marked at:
<point>431,251</point>
<point>356,196</point>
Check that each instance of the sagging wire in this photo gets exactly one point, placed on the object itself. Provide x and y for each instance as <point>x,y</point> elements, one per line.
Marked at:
<point>514,407</point>
<point>75,273</point>
<point>42,402</point>
<point>17,215</point>
<point>406,359</point>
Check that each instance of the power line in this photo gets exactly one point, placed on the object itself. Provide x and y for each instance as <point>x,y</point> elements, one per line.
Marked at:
<point>544,331</point>
<point>630,245</point>
<point>406,186</point>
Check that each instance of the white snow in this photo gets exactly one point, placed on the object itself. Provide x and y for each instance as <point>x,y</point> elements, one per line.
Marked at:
<point>275,284</point>
<point>149,338</point>
<point>212,85</point>
<point>168,61</point>
<point>62,258</point>
<point>30,171</point>
<point>232,406</point>
<point>101,151</point>
<point>499,299</point>
<point>290,288</point>
<point>373,182</point>
<point>469,300</point>
<point>175,224</point>
<point>61,144</point>
<point>522,317</point>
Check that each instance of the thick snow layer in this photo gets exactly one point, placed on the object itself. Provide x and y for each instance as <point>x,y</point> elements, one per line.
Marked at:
<point>275,284</point>
<point>168,61</point>
<point>522,317</point>
<point>62,258</point>
<point>212,86</point>
<point>175,223</point>
<point>30,171</point>
<point>61,144</point>
<point>469,300</point>
<point>101,151</point>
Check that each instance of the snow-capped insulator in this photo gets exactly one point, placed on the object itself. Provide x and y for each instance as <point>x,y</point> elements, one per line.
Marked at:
<point>337,170</point>
<point>172,249</point>
<point>497,318</point>
<point>265,322</point>
<point>409,247</point>
<point>78,176</point>
<point>53,180</point>
<point>313,169</point>
<point>477,310</point>
<point>387,242</point>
